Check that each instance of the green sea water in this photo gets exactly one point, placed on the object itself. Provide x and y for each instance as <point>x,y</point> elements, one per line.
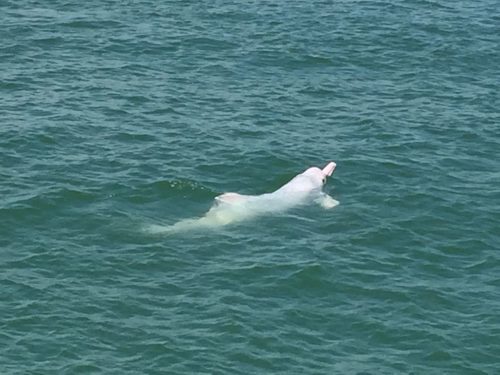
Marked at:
<point>115,116</point>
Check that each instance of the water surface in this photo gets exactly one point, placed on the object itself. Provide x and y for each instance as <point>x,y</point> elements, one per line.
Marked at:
<point>115,116</point>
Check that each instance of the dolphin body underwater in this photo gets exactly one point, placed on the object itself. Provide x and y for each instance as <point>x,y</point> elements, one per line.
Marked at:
<point>233,207</point>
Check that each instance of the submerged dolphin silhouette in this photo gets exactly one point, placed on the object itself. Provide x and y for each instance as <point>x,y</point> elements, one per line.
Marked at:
<point>234,207</point>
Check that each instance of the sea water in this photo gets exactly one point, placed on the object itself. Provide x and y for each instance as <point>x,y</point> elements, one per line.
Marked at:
<point>118,115</point>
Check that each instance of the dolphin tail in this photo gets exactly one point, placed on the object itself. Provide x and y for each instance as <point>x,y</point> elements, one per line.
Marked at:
<point>180,226</point>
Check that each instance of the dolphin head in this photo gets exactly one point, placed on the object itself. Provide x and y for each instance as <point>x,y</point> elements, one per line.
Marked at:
<point>328,170</point>
<point>318,176</point>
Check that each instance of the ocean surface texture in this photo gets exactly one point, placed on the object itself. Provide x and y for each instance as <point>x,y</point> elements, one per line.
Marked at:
<point>121,116</point>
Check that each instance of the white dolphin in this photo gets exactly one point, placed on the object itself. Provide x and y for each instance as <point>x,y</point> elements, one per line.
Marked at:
<point>233,207</point>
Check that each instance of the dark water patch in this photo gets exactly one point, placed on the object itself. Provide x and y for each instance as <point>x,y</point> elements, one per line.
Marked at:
<point>209,44</point>
<point>93,24</point>
<point>53,199</point>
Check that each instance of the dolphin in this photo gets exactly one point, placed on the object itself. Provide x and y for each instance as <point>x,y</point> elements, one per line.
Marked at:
<point>229,208</point>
